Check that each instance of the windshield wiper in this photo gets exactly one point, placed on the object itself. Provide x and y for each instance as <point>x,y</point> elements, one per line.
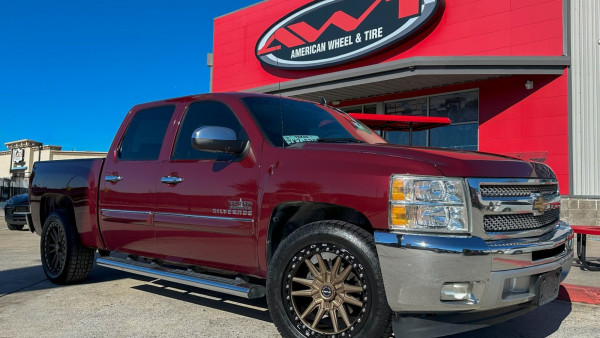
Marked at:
<point>340,140</point>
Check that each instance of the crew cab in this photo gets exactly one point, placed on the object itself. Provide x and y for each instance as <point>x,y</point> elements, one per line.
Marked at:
<point>345,234</point>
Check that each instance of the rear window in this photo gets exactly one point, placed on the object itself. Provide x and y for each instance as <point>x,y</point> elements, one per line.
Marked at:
<point>145,134</point>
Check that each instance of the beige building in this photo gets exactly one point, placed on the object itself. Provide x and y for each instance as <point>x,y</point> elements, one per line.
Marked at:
<point>17,162</point>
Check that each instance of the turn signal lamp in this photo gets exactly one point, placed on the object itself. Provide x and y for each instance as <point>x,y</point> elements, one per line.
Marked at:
<point>399,215</point>
<point>398,190</point>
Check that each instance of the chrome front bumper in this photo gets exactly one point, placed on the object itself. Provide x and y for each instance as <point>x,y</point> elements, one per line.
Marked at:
<point>503,272</point>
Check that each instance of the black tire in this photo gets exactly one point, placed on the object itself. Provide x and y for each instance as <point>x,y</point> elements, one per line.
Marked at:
<point>64,259</point>
<point>15,226</point>
<point>332,247</point>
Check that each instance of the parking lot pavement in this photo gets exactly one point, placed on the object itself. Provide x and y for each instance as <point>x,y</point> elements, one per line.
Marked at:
<point>117,304</point>
<point>113,303</point>
<point>578,275</point>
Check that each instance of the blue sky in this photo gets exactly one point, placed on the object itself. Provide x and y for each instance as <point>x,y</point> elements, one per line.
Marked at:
<point>70,70</point>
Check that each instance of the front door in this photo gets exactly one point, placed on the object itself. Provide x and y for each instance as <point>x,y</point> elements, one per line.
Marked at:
<point>207,205</point>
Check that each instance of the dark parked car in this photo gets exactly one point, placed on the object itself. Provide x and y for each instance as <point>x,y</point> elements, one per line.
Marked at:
<point>15,211</point>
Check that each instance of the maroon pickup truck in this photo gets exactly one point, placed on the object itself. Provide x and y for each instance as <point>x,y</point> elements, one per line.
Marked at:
<point>345,234</point>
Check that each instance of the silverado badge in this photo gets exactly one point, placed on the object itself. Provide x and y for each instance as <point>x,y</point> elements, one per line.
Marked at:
<point>236,208</point>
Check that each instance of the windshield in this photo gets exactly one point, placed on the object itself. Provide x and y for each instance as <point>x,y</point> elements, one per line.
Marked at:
<point>285,122</point>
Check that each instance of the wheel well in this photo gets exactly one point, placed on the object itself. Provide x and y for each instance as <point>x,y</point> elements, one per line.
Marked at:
<point>288,217</point>
<point>53,202</point>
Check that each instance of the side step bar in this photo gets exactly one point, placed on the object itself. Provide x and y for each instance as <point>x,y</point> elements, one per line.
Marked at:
<point>235,287</point>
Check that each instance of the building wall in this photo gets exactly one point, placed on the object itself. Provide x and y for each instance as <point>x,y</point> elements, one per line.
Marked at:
<point>516,121</point>
<point>585,122</point>
<point>75,155</point>
<point>4,164</point>
<point>467,27</point>
<point>583,207</point>
<point>581,211</point>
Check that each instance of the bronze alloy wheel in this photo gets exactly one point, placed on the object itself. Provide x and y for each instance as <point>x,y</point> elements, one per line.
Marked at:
<point>326,291</point>
<point>55,249</point>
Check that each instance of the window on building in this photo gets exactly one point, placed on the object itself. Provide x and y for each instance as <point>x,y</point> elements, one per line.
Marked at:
<point>364,109</point>
<point>353,110</point>
<point>457,136</point>
<point>370,109</point>
<point>413,107</point>
<point>201,114</point>
<point>461,108</point>
<point>419,138</point>
<point>145,134</point>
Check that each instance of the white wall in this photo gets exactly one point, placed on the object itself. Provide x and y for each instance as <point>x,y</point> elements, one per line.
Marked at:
<point>585,97</point>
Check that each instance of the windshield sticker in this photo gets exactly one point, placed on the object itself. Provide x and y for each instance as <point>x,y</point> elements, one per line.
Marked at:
<point>293,139</point>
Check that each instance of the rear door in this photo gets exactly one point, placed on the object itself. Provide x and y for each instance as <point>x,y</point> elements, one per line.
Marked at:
<point>128,182</point>
<point>207,217</point>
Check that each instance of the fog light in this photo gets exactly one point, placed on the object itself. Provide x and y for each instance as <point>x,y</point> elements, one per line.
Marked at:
<point>456,291</point>
<point>520,284</point>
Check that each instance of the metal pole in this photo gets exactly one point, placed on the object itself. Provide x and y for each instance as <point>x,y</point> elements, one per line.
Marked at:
<point>410,134</point>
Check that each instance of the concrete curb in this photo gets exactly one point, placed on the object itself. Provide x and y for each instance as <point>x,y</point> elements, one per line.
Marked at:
<point>579,294</point>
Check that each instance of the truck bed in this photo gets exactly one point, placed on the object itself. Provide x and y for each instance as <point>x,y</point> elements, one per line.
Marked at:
<point>68,182</point>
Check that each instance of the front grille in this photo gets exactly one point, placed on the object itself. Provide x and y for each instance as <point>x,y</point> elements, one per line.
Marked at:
<point>21,209</point>
<point>519,222</point>
<point>18,218</point>
<point>518,190</point>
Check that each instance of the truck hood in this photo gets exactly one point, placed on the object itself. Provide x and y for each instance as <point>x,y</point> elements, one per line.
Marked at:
<point>452,163</point>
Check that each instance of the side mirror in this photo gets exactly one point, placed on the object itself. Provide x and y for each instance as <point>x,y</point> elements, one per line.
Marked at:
<point>218,140</point>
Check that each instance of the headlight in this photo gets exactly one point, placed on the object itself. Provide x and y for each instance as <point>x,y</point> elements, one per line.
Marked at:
<point>428,204</point>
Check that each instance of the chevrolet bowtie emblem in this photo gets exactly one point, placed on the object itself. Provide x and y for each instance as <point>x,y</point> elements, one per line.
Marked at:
<point>540,205</point>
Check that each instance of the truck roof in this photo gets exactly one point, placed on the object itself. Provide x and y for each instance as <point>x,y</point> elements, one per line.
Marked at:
<point>194,97</point>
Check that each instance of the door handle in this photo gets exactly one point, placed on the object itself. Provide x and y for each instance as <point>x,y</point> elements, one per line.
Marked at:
<point>113,178</point>
<point>171,180</point>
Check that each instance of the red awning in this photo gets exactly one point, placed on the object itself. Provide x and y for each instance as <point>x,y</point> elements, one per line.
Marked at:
<point>400,122</point>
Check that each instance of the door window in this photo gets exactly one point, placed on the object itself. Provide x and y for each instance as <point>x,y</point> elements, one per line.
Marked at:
<point>201,114</point>
<point>145,134</point>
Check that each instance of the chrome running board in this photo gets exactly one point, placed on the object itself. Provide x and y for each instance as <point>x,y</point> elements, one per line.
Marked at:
<point>235,287</point>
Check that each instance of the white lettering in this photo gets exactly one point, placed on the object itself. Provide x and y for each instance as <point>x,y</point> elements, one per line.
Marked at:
<point>309,50</point>
<point>341,42</point>
<point>372,34</point>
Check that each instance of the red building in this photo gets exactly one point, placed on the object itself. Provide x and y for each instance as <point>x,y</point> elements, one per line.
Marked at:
<point>498,69</point>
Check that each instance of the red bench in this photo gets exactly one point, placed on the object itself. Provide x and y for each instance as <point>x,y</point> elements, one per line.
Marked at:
<point>582,231</point>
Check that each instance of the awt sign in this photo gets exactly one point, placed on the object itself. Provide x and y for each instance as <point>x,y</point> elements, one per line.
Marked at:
<point>332,32</point>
